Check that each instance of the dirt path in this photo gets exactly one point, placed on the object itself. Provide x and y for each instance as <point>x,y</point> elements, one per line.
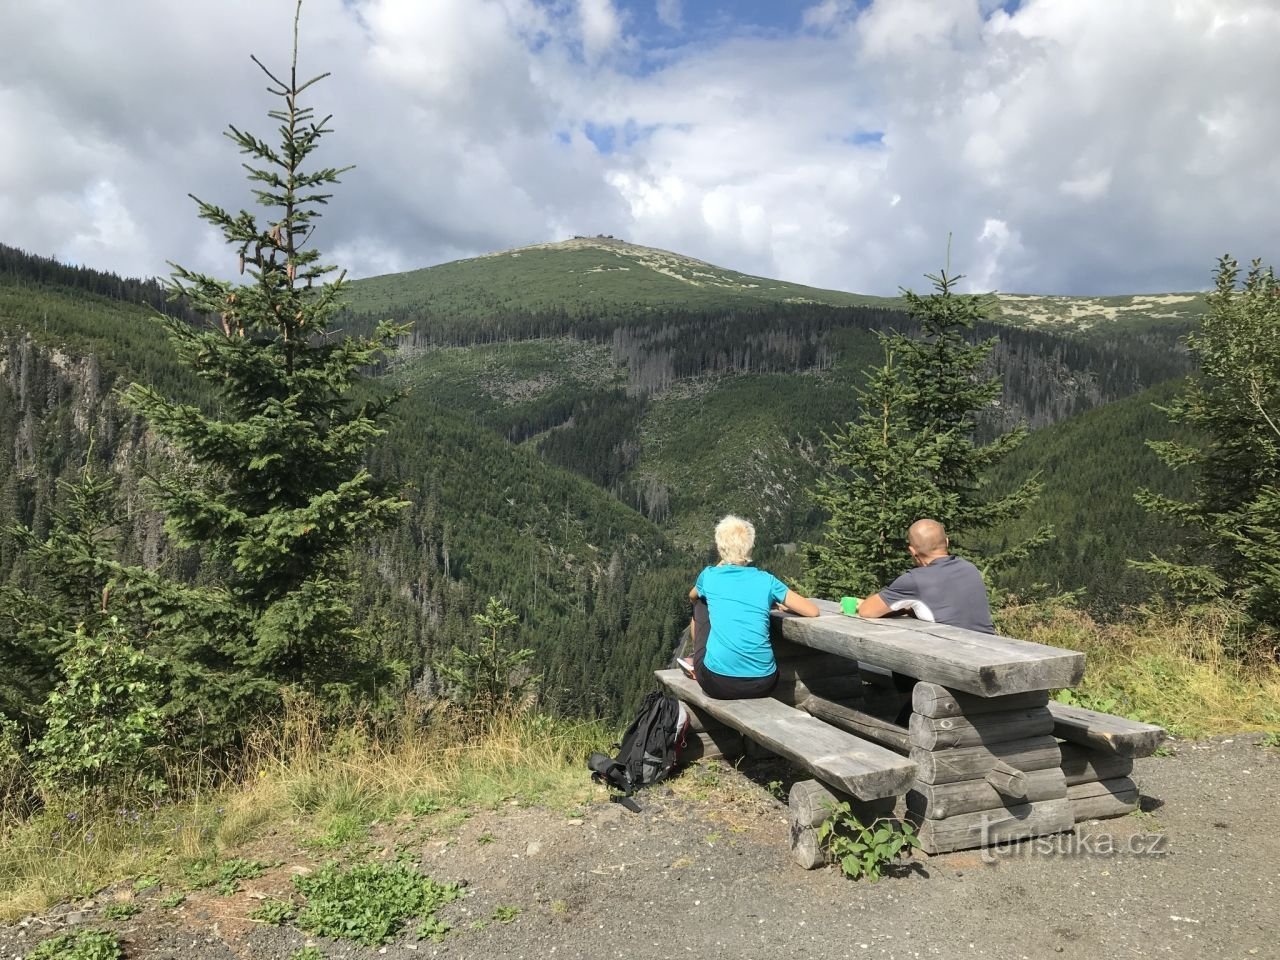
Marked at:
<point>703,871</point>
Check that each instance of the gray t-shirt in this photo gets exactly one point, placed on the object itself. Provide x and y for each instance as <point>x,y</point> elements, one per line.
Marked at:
<point>949,590</point>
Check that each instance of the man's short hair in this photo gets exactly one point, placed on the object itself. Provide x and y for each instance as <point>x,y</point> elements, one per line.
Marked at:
<point>734,539</point>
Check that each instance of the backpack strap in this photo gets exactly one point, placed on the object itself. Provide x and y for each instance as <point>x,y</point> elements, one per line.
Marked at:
<point>606,770</point>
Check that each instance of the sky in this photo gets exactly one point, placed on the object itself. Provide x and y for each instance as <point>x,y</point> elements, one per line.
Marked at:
<point>1055,146</point>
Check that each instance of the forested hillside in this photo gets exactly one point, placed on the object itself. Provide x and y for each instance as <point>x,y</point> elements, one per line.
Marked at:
<point>1091,466</point>
<point>571,460</point>
<point>596,585</point>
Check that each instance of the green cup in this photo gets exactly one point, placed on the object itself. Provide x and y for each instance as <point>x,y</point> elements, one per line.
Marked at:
<point>849,606</point>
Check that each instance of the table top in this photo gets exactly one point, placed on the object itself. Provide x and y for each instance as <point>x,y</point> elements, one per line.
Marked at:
<point>987,665</point>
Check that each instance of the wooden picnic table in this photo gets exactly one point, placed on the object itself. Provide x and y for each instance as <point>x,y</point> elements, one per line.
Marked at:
<point>984,739</point>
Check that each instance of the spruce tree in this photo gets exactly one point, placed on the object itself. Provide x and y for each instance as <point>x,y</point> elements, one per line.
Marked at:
<point>875,485</point>
<point>270,482</point>
<point>1233,409</point>
<point>914,451</point>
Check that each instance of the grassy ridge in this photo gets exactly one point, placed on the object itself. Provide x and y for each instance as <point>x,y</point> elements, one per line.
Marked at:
<point>594,273</point>
<point>579,275</point>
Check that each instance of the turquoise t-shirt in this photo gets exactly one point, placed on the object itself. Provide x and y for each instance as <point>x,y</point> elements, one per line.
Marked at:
<point>738,602</point>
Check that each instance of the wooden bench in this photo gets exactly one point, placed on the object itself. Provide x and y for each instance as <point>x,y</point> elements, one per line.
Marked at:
<point>848,763</point>
<point>1097,759</point>
<point>1104,732</point>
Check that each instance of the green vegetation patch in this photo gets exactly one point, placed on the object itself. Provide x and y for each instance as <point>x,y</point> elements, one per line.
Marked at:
<point>120,911</point>
<point>80,945</point>
<point>368,902</point>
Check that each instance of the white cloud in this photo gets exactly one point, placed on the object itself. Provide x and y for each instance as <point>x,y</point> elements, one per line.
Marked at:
<point>671,13</point>
<point>1088,146</point>
<point>826,14</point>
<point>601,27</point>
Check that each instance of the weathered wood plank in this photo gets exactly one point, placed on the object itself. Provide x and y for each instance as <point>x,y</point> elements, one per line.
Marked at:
<point>972,763</point>
<point>848,763</point>
<point>1009,782</point>
<point>939,801</point>
<point>859,722</point>
<point>1102,731</point>
<point>978,663</point>
<point>1103,799</point>
<point>1084,765</point>
<point>935,733</point>
<point>986,827</point>
<point>933,700</point>
<point>784,651</point>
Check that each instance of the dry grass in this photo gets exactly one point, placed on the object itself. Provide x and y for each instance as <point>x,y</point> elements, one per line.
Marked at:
<point>1174,668</point>
<point>300,774</point>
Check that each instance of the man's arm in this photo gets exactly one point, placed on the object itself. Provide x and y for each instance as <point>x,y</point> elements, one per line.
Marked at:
<point>873,607</point>
<point>693,593</point>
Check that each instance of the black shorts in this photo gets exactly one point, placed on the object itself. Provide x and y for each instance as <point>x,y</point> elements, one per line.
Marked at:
<point>717,685</point>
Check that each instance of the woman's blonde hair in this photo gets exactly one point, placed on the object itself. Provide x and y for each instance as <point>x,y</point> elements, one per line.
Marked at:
<point>734,539</point>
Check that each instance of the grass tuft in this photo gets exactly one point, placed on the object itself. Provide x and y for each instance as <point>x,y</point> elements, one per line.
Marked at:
<point>1162,666</point>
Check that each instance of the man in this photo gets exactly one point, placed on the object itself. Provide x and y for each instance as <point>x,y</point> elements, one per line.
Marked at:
<point>941,589</point>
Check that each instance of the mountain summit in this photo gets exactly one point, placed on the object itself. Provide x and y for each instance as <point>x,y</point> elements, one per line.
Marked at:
<point>583,272</point>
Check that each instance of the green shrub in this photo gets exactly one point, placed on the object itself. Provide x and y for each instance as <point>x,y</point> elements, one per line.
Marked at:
<point>864,851</point>
<point>103,720</point>
<point>274,912</point>
<point>369,902</point>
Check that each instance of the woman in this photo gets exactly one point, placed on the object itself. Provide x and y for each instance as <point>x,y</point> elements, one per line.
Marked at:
<point>732,656</point>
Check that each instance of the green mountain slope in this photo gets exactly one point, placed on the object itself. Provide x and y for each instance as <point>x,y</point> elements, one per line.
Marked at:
<point>589,274</point>
<point>582,273</point>
<point>597,586</point>
<point>1091,466</point>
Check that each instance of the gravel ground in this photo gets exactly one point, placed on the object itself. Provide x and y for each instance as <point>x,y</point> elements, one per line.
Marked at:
<point>703,871</point>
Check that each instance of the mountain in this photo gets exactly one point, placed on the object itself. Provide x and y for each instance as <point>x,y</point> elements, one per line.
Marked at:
<point>585,272</point>
<point>594,273</point>
<point>708,396</point>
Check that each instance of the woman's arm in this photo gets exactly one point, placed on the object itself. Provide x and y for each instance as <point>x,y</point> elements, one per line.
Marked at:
<point>802,606</point>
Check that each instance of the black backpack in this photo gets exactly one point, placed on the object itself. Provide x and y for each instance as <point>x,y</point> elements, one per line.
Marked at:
<point>649,749</point>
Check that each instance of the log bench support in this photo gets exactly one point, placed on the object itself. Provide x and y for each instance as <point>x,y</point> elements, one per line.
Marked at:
<point>988,769</point>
